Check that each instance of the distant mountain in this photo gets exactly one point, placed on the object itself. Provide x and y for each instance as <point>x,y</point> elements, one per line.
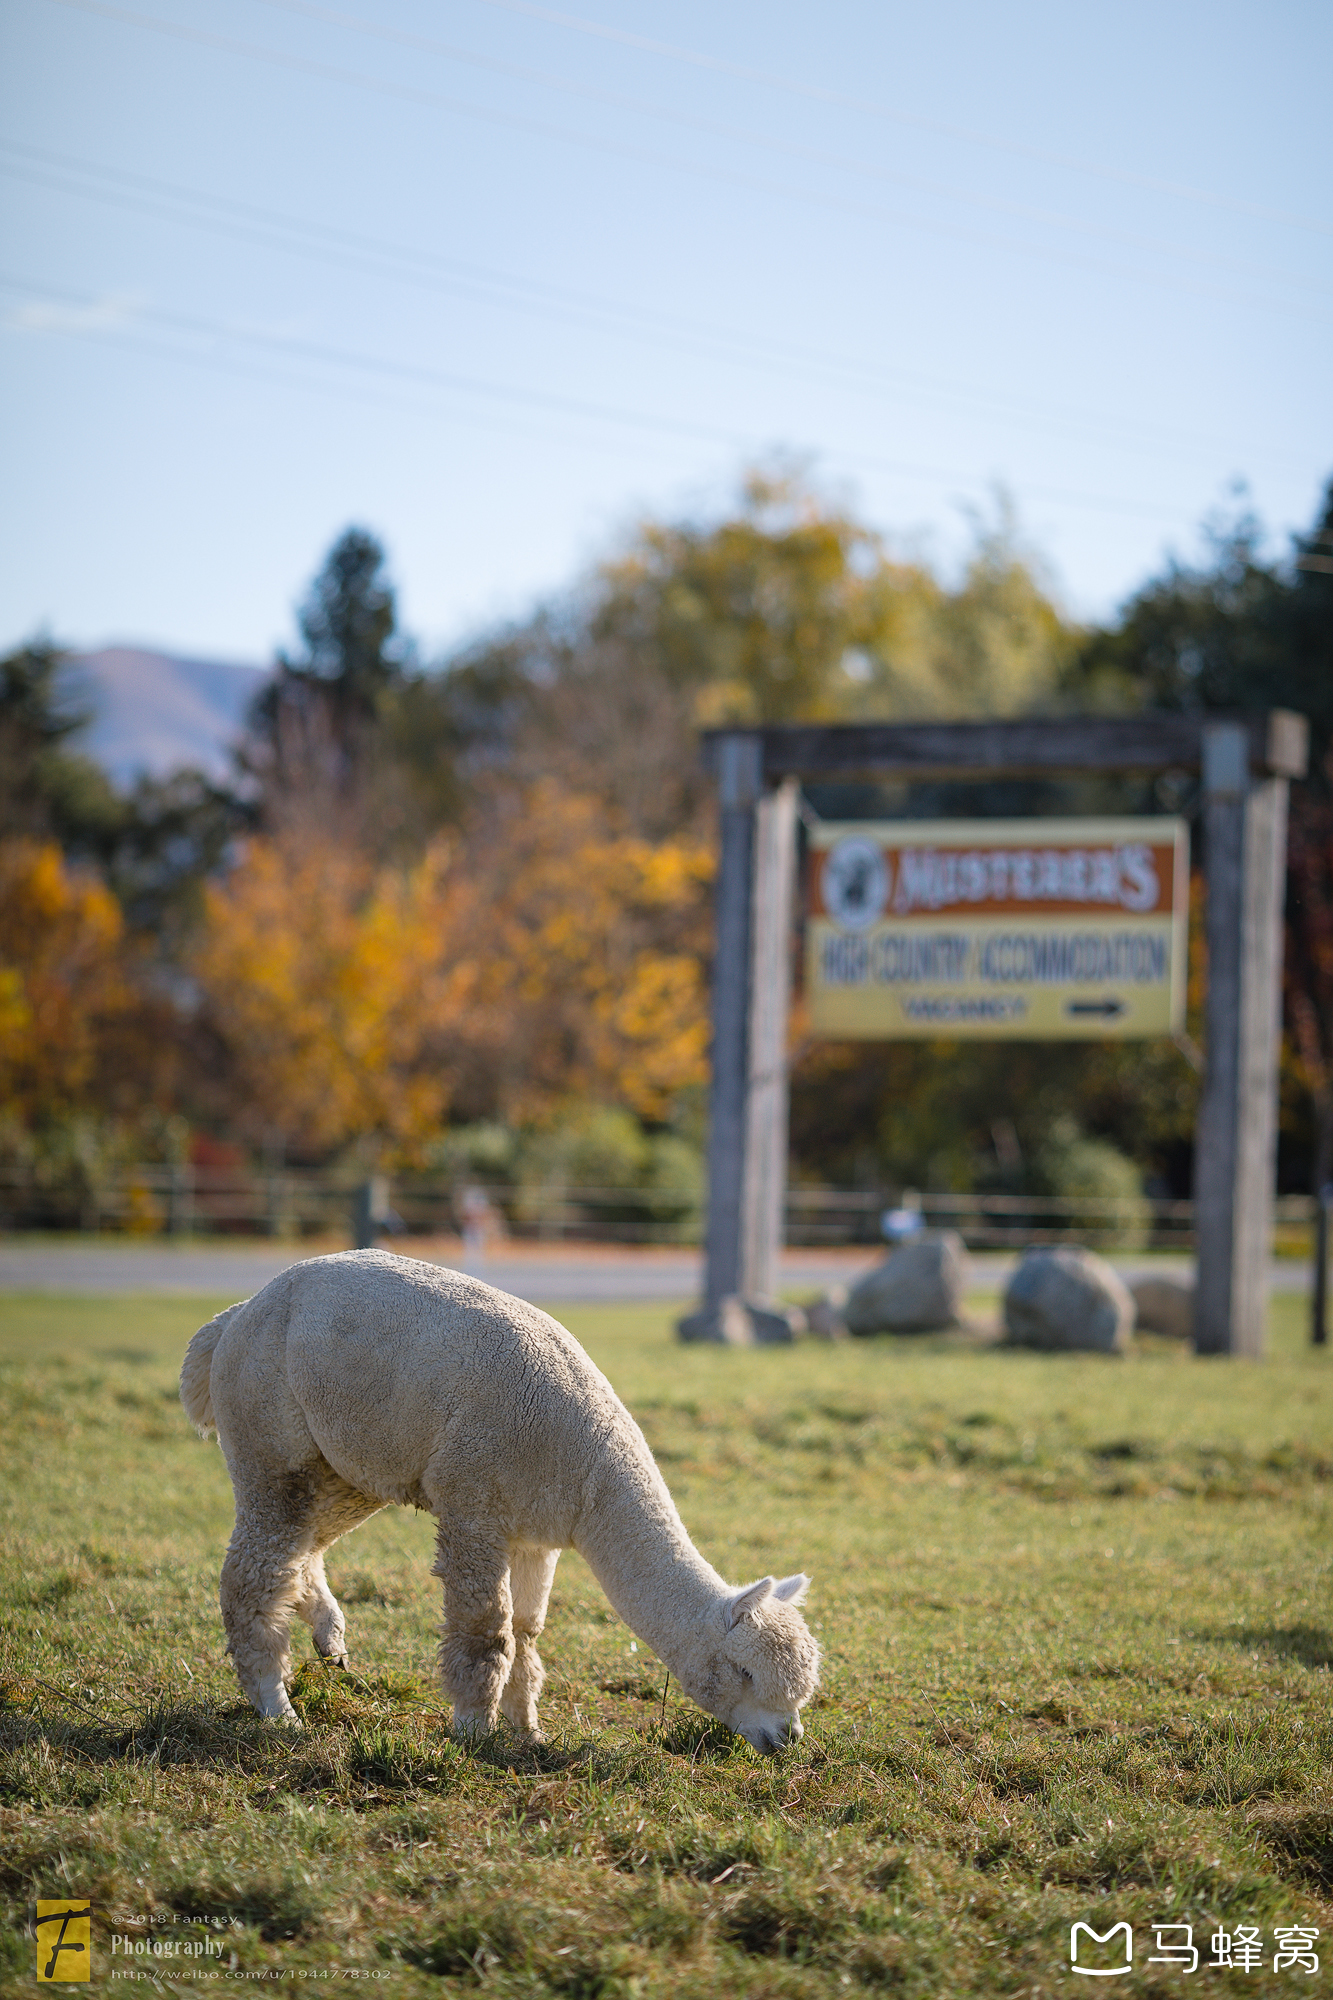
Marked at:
<point>154,712</point>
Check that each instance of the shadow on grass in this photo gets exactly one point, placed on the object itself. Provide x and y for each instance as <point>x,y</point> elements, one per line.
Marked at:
<point>278,1906</point>
<point>1301,1842</point>
<point>1308,1645</point>
<point>475,1947</point>
<point>701,1739</point>
<point>387,1758</point>
<point>469,1946</point>
<point>199,1734</point>
<point>699,1858</point>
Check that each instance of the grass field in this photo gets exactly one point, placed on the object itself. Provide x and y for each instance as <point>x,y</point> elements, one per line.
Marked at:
<point>1078,1633</point>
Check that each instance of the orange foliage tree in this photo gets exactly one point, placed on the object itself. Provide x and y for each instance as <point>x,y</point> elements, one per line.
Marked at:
<point>336,987</point>
<point>594,946</point>
<point>64,990</point>
<point>545,957</point>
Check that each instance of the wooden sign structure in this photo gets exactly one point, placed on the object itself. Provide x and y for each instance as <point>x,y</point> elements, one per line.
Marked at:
<point>1246,764</point>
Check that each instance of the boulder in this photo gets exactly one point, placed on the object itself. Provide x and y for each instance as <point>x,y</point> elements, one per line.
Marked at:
<point>1068,1298</point>
<point>1164,1305</point>
<point>736,1322</point>
<point>920,1285</point>
<point>826,1316</point>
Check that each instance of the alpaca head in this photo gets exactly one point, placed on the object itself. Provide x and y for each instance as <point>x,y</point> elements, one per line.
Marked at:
<point>759,1663</point>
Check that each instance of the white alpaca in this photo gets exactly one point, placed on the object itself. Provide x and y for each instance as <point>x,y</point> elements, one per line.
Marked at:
<point>356,1380</point>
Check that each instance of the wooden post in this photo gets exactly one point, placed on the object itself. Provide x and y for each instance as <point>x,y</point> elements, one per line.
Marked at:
<point>764,1173</point>
<point>370,1212</point>
<point>739,779</point>
<point>180,1199</point>
<point>1245,830</point>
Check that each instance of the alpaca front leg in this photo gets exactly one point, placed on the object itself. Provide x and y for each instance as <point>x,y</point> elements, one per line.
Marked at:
<point>477,1650</point>
<point>530,1577</point>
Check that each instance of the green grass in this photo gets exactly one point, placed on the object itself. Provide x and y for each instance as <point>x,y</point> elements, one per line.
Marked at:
<point>1077,1629</point>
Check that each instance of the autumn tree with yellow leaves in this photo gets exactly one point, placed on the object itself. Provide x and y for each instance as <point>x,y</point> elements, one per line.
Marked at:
<point>337,989</point>
<point>599,939</point>
<point>539,958</point>
<point>73,1031</point>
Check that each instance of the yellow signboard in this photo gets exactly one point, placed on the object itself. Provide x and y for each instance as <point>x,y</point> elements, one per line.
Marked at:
<point>1045,929</point>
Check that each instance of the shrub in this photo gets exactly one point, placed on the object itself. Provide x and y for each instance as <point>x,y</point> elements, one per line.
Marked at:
<point>1073,1165</point>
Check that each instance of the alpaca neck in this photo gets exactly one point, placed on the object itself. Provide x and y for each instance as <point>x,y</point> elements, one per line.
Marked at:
<point>635,1544</point>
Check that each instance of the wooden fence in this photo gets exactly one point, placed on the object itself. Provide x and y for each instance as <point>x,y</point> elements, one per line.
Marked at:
<point>152,1199</point>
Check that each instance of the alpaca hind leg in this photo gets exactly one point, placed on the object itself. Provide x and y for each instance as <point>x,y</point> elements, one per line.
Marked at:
<point>322,1612</point>
<point>477,1649</point>
<point>530,1576</point>
<point>340,1508</point>
<point>284,1515</point>
<point>261,1583</point>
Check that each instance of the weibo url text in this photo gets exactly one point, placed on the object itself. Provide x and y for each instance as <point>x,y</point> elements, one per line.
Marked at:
<point>158,1973</point>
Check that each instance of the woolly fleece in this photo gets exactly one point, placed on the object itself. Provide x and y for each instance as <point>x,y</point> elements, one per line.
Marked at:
<point>362,1379</point>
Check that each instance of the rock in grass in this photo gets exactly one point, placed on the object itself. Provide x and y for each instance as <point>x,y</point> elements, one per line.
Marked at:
<point>1164,1305</point>
<point>1068,1299</point>
<point>736,1322</point>
<point>826,1316</point>
<point>919,1286</point>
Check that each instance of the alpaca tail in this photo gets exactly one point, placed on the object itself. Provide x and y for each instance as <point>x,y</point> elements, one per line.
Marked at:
<point>196,1371</point>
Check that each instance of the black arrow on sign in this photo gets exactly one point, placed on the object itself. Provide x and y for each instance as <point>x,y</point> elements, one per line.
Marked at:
<point>1108,1009</point>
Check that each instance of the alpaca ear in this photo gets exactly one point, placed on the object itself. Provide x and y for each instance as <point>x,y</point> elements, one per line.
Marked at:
<point>792,1589</point>
<point>747,1600</point>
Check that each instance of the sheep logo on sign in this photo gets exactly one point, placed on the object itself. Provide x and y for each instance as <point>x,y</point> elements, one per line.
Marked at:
<point>855,883</point>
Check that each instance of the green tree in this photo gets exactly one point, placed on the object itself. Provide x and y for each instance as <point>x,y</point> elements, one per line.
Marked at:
<point>48,790</point>
<point>1235,631</point>
<point>172,836</point>
<point>1307,630</point>
<point>313,727</point>
<point>348,621</point>
<point>1240,631</point>
<point>793,610</point>
<point>757,611</point>
<point>995,645</point>
<point>154,846</point>
<point>789,608</point>
<point>1304,618</point>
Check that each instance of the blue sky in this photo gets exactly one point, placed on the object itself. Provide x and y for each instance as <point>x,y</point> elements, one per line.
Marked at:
<point>496,279</point>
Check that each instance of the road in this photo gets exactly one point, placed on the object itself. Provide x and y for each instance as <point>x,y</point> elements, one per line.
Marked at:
<point>547,1274</point>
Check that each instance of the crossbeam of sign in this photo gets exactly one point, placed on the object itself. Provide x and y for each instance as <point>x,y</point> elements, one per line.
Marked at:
<point>1055,929</point>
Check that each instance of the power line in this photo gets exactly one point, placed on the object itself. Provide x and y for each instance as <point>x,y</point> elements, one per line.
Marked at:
<point>116,338</point>
<point>842,100</point>
<point>331,72</point>
<point>269,229</point>
<point>752,137</point>
<point>543,401</point>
